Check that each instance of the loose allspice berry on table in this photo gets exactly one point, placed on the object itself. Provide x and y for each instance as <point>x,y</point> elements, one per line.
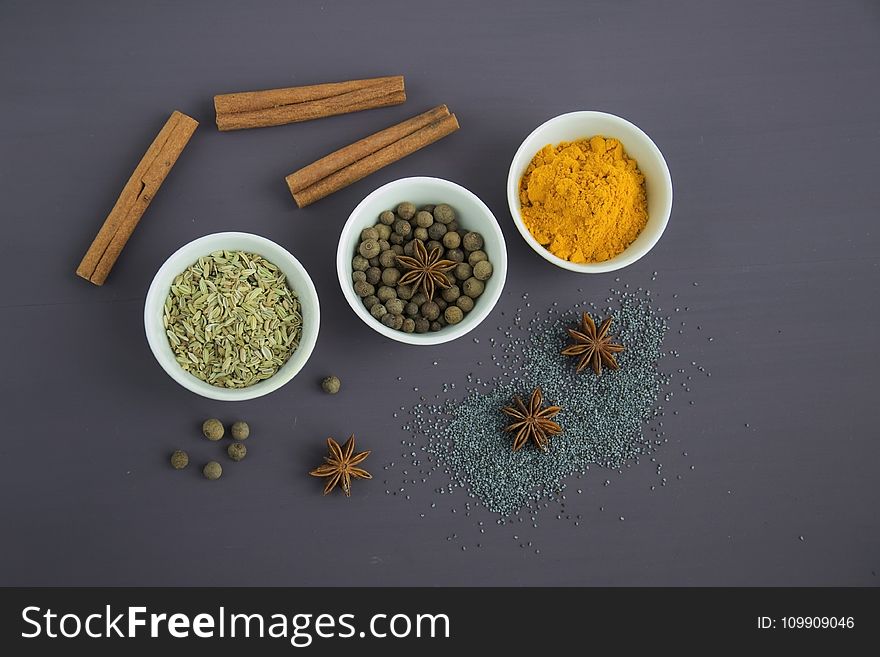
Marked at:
<point>179,459</point>
<point>237,451</point>
<point>240,430</point>
<point>213,429</point>
<point>331,385</point>
<point>213,470</point>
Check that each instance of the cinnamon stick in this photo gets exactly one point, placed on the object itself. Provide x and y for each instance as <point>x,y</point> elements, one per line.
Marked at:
<point>250,101</point>
<point>135,197</point>
<point>309,175</point>
<point>377,158</point>
<point>259,109</point>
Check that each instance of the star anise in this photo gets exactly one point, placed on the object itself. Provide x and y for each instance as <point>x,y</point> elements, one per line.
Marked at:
<point>341,465</point>
<point>532,421</point>
<point>426,269</point>
<point>593,347</point>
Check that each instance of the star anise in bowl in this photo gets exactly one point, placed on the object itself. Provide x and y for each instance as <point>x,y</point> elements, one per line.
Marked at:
<point>427,270</point>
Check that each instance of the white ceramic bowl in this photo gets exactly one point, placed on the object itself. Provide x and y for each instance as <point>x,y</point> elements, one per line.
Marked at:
<point>472,214</point>
<point>297,278</point>
<point>578,125</point>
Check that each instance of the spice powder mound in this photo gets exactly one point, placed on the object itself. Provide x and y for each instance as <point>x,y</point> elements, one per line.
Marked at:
<point>584,201</point>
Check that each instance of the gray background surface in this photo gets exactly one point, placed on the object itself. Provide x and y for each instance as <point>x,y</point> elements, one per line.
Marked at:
<point>768,116</point>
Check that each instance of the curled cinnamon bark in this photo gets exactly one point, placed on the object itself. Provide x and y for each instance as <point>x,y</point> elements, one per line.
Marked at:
<point>259,109</point>
<point>135,197</point>
<point>352,163</point>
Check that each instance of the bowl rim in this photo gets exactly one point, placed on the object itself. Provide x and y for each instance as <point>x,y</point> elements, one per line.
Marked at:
<point>155,298</point>
<point>487,302</point>
<point>629,255</point>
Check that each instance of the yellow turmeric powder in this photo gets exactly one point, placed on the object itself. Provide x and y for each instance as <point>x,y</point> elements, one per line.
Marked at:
<point>584,201</point>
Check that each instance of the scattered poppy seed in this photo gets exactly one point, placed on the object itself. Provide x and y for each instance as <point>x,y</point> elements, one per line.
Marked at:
<point>603,416</point>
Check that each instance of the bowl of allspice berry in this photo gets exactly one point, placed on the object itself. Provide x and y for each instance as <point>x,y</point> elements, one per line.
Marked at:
<point>422,260</point>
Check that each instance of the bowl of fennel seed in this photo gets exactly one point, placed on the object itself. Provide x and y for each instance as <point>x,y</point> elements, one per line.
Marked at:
<point>232,316</point>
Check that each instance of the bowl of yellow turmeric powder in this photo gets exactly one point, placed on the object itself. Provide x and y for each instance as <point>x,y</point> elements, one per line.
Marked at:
<point>589,192</point>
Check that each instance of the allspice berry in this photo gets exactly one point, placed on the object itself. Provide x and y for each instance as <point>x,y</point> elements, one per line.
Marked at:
<point>213,470</point>
<point>179,459</point>
<point>463,271</point>
<point>395,306</point>
<point>430,310</point>
<point>369,248</point>
<point>451,240</point>
<point>240,430</point>
<point>213,429</point>
<point>374,275</point>
<point>406,210</point>
<point>392,321</point>
<point>473,287</point>
<point>331,385</point>
<point>436,231</point>
<point>383,231</point>
<point>451,293</point>
<point>386,292</point>
<point>456,255</point>
<point>465,303</point>
<point>444,213</point>
<point>388,258</point>
<point>453,314</point>
<point>236,451</point>
<point>390,276</point>
<point>472,241</point>
<point>476,256</point>
<point>483,270</point>
<point>363,288</point>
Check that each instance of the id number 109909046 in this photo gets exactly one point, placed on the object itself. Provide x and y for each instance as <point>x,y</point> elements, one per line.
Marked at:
<point>807,622</point>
